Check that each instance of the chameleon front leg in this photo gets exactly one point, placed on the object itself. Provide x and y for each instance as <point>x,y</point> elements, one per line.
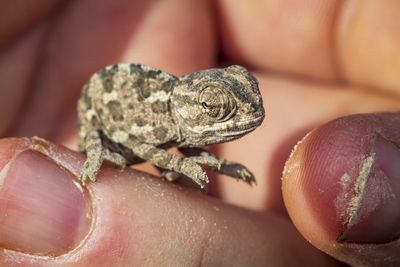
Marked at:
<point>96,153</point>
<point>220,165</point>
<point>170,163</point>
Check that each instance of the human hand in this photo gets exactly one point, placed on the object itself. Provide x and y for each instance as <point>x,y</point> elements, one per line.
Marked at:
<point>314,63</point>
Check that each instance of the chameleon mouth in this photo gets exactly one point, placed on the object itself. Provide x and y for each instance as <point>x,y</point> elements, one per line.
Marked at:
<point>225,131</point>
<point>237,129</point>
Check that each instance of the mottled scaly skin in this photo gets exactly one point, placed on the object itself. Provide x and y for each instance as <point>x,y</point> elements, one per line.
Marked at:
<point>128,113</point>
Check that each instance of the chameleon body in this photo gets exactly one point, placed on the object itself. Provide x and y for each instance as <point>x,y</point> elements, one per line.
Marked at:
<point>129,113</point>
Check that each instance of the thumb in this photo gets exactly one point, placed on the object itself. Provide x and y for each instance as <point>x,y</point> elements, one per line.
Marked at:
<point>341,187</point>
<point>128,219</point>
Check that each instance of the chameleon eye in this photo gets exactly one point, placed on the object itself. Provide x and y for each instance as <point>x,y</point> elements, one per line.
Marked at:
<point>217,103</point>
<point>204,105</point>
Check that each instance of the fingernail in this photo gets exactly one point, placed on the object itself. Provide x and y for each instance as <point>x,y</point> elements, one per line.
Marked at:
<point>42,210</point>
<point>372,212</point>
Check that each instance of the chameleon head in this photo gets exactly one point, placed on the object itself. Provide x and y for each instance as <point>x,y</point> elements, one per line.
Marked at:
<point>217,105</point>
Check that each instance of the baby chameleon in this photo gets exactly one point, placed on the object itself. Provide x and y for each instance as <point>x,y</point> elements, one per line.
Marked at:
<point>130,113</point>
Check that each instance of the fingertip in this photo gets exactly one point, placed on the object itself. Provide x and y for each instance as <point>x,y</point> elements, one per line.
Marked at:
<point>43,211</point>
<point>340,187</point>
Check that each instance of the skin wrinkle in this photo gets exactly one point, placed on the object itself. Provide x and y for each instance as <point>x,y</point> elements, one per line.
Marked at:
<point>334,40</point>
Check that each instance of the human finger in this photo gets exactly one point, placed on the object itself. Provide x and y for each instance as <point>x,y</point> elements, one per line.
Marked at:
<point>341,188</point>
<point>354,42</point>
<point>127,218</point>
<point>18,16</point>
